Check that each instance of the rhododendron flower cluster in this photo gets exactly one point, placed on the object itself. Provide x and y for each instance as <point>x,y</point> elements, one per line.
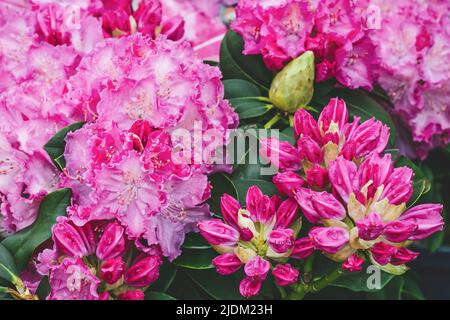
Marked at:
<point>262,233</point>
<point>354,191</point>
<point>413,46</point>
<point>346,188</point>
<point>121,166</point>
<point>334,30</point>
<point>320,142</point>
<point>96,262</point>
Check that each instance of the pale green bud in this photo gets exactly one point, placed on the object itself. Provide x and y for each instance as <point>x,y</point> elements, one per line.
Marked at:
<point>293,87</point>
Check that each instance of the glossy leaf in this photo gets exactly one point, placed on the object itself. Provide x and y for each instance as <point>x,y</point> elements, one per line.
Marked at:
<point>235,65</point>
<point>23,243</point>
<point>55,146</point>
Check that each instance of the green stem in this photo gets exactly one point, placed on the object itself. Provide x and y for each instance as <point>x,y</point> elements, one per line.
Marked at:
<point>303,288</point>
<point>272,121</point>
<point>282,292</point>
<point>318,285</point>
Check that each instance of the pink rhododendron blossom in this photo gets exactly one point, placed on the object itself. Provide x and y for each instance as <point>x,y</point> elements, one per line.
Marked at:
<point>256,237</point>
<point>203,26</point>
<point>76,274</point>
<point>410,43</point>
<point>332,29</point>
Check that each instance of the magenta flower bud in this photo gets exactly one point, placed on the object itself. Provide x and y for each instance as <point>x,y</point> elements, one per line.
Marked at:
<point>286,214</point>
<point>140,131</point>
<point>305,125</point>
<point>104,296</point>
<point>148,16</point>
<point>226,264</point>
<point>329,239</point>
<point>112,270</point>
<point>343,177</point>
<point>399,188</point>
<point>319,205</point>
<point>114,21</point>
<point>371,227</point>
<point>253,198</point>
<point>144,272</point>
<point>348,150</point>
<point>132,295</point>
<point>229,207</point>
<point>427,218</point>
<point>376,169</point>
<point>112,242</point>
<point>371,136</point>
<point>317,176</point>
<point>285,275</point>
<point>303,248</point>
<point>260,206</point>
<point>69,238</point>
<point>257,268</point>
<point>281,240</point>
<point>403,256</point>
<point>335,111</point>
<point>124,5</point>
<point>382,253</point>
<point>287,182</point>
<point>218,233</point>
<point>399,231</point>
<point>280,153</point>
<point>250,287</point>
<point>246,234</point>
<point>353,264</point>
<point>309,149</point>
<point>173,28</point>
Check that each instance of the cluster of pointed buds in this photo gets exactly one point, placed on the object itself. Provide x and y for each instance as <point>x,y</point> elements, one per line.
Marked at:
<point>320,142</point>
<point>262,237</point>
<point>354,193</point>
<point>96,261</point>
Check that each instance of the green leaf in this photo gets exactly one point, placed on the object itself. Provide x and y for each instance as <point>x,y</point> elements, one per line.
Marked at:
<point>211,63</point>
<point>358,281</point>
<point>248,108</point>
<point>217,286</point>
<point>151,295</point>
<point>167,273</point>
<point>195,241</point>
<point>44,289</point>
<point>221,184</point>
<point>238,88</point>
<point>7,264</point>
<point>23,243</point>
<point>56,145</point>
<point>235,65</point>
<point>361,105</point>
<point>392,291</point>
<point>411,289</point>
<point>196,259</point>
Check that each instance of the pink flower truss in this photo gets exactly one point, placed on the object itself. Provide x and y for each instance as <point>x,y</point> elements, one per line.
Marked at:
<point>262,233</point>
<point>111,80</point>
<point>89,262</point>
<point>332,29</point>
<point>204,28</point>
<point>354,191</point>
<point>121,166</point>
<point>320,142</point>
<point>413,46</point>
